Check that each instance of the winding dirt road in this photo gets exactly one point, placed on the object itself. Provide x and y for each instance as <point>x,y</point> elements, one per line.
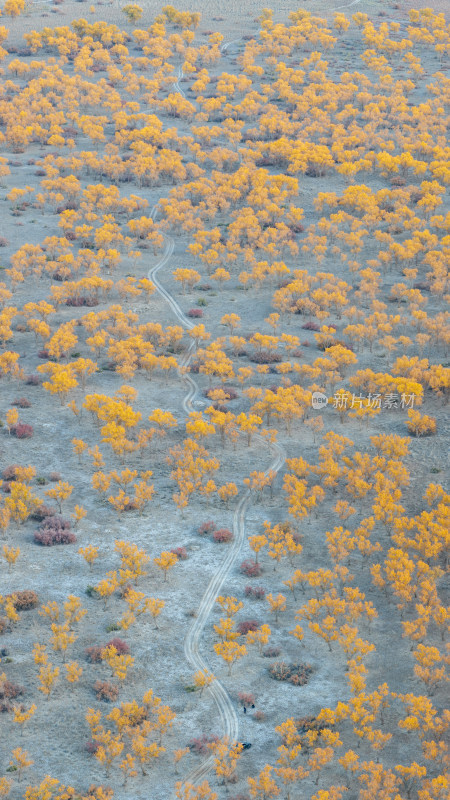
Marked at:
<point>227,713</point>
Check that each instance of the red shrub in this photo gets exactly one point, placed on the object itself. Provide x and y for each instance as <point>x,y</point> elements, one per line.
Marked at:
<point>22,431</point>
<point>54,530</point>
<point>22,402</point>
<point>265,357</point>
<point>311,326</point>
<point>223,535</point>
<point>246,699</point>
<point>94,653</point>
<point>33,380</point>
<point>246,626</point>
<point>271,652</point>
<point>50,538</point>
<point>42,512</point>
<point>9,473</point>
<point>195,313</point>
<point>3,242</point>
<point>92,746</point>
<point>84,300</point>
<point>24,600</point>
<point>256,592</point>
<point>121,646</point>
<point>8,691</point>
<point>180,552</point>
<point>207,527</point>
<point>106,691</point>
<point>199,744</point>
<point>251,569</point>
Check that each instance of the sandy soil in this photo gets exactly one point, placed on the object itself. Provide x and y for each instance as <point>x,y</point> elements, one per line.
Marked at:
<point>57,735</point>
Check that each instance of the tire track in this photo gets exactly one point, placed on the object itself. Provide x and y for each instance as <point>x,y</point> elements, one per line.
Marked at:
<point>228,717</point>
<point>227,713</point>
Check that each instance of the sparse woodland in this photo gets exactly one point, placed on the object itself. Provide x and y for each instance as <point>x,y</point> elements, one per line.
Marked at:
<point>201,234</point>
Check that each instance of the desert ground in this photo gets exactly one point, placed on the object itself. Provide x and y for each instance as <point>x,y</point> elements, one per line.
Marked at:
<point>224,381</point>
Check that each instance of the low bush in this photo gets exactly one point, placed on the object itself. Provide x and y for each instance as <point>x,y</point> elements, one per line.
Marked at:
<point>3,625</point>
<point>271,652</point>
<point>33,380</point>
<point>255,592</point>
<point>106,691</point>
<point>9,691</point>
<point>311,326</point>
<point>122,647</point>
<point>222,535</point>
<point>3,242</point>
<point>297,674</point>
<point>248,625</point>
<point>259,716</point>
<point>22,402</point>
<point>9,473</point>
<point>251,568</point>
<point>266,357</point>
<point>54,530</point>
<point>52,538</point>
<point>83,300</point>
<point>22,430</point>
<point>246,699</point>
<point>180,552</point>
<point>42,512</point>
<point>92,746</point>
<point>94,653</point>
<point>25,600</point>
<point>195,313</point>
<point>207,527</point>
<point>54,477</point>
<point>199,744</point>
<point>297,227</point>
<point>310,723</point>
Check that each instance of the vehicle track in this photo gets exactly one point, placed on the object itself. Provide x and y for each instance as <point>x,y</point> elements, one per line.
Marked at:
<point>225,706</point>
